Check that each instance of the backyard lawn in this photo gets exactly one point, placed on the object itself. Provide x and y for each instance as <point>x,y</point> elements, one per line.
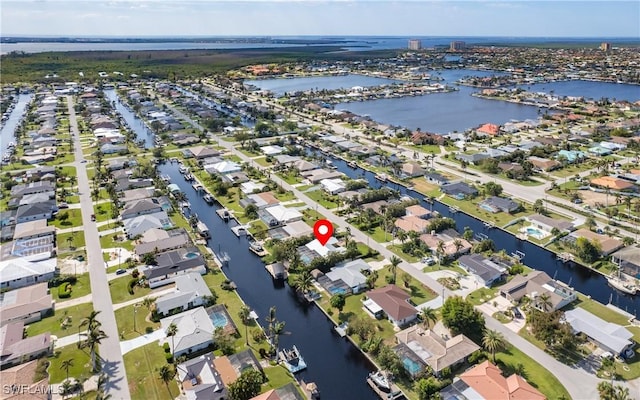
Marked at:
<point>81,288</point>
<point>120,291</point>
<point>142,365</point>
<point>81,363</point>
<point>69,218</point>
<point>73,316</point>
<point>70,241</point>
<point>108,242</point>
<point>125,320</point>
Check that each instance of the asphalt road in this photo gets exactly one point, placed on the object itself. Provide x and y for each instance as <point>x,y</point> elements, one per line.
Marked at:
<point>112,361</point>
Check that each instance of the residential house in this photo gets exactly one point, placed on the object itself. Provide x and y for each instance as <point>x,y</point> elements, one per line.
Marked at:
<point>607,244</point>
<point>33,229</point>
<point>488,130</point>
<point>202,152</point>
<point>191,291</point>
<point>140,207</point>
<point>412,223</point>
<point>628,259</point>
<point>297,229</point>
<point>610,337</point>
<point>286,392</point>
<point>436,178</point>
<point>333,186</point>
<point>548,224</point>
<point>272,150</point>
<point>314,249</point>
<point>613,183</point>
<point>282,214</point>
<point>19,272</point>
<point>139,225</point>
<point>496,204</point>
<point>167,240</point>
<point>31,188</point>
<point>417,211</point>
<point>350,273</point>
<point>34,212</point>
<point>195,331</point>
<point>421,348</point>
<point>571,156</point>
<point>486,382</point>
<point>543,164</point>
<point>27,304</point>
<point>109,148</point>
<point>173,263</point>
<point>472,158</point>
<point>449,247</point>
<point>263,200</point>
<point>199,379</point>
<point>314,176</point>
<point>392,302</point>
<point>459,190</point>
<point>304,165</point>
<point>15,349</point>
<point>231,367</point>
<point>485,271</point>
<point>20,383</point>
<point>411,170</point>
<point>252,187</point>
<point>534,285</point>
<point>223,168</point>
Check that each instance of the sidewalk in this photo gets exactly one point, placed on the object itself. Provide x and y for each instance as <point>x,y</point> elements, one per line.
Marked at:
<point>128,345</point>
<point>68,340</point>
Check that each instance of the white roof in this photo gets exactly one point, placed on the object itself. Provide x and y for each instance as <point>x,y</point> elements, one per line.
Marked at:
<point>224,167</point>
<point>283,214</point>
<point>333,185</point>
<point>251,186</point>
<point>297,228</point>
<point>189,287</point>
<point>327,248</point>
<point>349,272</point>
<point>141,224</point>
<point>272,150</point>
<point>194,328</point>
<point>613,336</point>
<point>372,306</point>
<point>21,268</point>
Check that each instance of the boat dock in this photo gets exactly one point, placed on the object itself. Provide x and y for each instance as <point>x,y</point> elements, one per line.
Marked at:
<point>310,389</point>
<point>565,257</point>
<point>292,359</point>
<point>224,214</point>
<point>276,270</point>
<point>257,249</point>
<point>454,209</point>
<point>342,329</point>
<point>239,230</point>
<point>395,394</point>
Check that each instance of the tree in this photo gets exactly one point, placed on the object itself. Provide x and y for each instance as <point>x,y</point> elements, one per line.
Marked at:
<point>101,387</point>
<point>337,301</point>
<point>149,303</point>
<point>427,387</point>
<point>303,281</point>
<point>492,188</point>
<point>467,234</point>
<point>428,315</point>
<point>246,386</point>
<point>166,374</point>
<point>406,279</point>
<point>493,341</point>
<point>251,211</point>
<point>543,302</point>
<point>245,317</point>
<point>93,338</point>
<point>172,330</point>
<point>242,137</point>
<point>460,316</point>
<point>395,261</point>
<point>66,365</point>
<point>223,341</point>
<point>538,206</point>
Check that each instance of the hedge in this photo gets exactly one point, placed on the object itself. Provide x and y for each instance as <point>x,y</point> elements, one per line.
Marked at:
<point>167,348</point>
<point>64,290</point>
<point>169,357</point>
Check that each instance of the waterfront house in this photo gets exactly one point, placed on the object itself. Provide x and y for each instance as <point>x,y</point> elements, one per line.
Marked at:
<point>608,336</point>
<point>231,367</point>
<point>412,223</point>
<point>419,348</point>
<point>448,239</point>
<point>190,291</point>
<point>314,176</point>
<point>417,210</point>
<point>547,224</point>
<point>19,272</point>
<point>496,204</point>
<point>607,244</point>
<point>252,187</point>
<point>485,381</point>
<point>222,168</point>
<point>164,240</point>
<point>286,392</point>
<point>16,349</point>
<point>535,284</point>
<point>392,302</point>
<point>411,170</point>
<point>488,130</point>
<point>436,178</point>
<point>459,190</point>
<point>23,378</point>
<point>314,249</point>
<point>286,159</point>
<point>139,225</point>
<point>195,331</point>
<point>304,165</point>
<point>173,263</point>
<point>333,186</point>
<point>140,207</point>
<point>203,152</point>
<point>282,214</point>
<point>628,259</point>
<point>350,273</point>
<point>199,379</point>
<point>272,150</point>
<point>485,271</point>
<point>296,229</point>
<point>127,183</point>
<point>262,200</point>
<point>27,304</point>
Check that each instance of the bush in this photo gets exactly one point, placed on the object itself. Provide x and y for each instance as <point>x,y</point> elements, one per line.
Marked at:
<point>57,281</point>
<point>64,290</point>
<point>167,348</point>
<point>133,282</point>
<point>148,329</point>
<point>169,358</point>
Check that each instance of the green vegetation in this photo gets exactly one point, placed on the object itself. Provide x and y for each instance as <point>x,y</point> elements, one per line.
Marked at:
<point>142,366</point>
<point>109,241</point>
<point>69,218</point>
<point>81,363</point>
<point>125,320</point>
<point>70,240</point>
<point>119,290</point>
<point>80,288</point>
<point>64,322</point>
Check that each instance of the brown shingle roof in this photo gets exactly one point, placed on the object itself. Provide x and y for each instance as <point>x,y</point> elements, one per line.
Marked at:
<point>393,301</point>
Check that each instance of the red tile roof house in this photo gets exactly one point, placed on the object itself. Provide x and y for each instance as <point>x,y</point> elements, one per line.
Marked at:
<point>392,302</point>
<point>488,130</point>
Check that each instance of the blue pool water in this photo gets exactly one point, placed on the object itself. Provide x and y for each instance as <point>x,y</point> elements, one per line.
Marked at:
<point>219,320</point>
<point>411,366</point>
<point>191,255</point>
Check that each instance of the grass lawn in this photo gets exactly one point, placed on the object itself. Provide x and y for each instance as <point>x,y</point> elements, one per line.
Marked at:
<point>365,250</point>
<point>53,323</point>
<point>482,295</point>
<point>428,189</point>
<point>81,288</point>
<point>108,242</point>
<point>70,241</point>
<point>81,363</point>
<point>142,365</point>
<point>277,376</point>
<point>598,310</point>
<point>262,161</point>
<point>534,373</point>
<point>427,148</point>
<point>322,198</point>
<point>290,178</point>
<point>378,235</point>
<point>303,188</point>
<point>398,251</point>
<point>125,316</point>
<point>119,290</point>
<point>471,207</point>
<point>294,205</point>
<point>286,196</point>
<point>74,219</point>
<point>103,211</point>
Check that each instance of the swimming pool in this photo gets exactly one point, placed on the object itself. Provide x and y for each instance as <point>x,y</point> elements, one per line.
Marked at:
<point>411,366</point>
<point>219,319</point>
<point>190,255</point>
<point>535,232</point>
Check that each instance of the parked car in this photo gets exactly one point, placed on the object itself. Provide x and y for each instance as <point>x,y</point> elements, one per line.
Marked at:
<point>63,205</point>
<point>428,261</point>
<point>93,217</point>
<point>121,271</point>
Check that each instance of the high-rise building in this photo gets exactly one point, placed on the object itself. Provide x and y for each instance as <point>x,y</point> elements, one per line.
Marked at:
<point>415,44</point>
<point>605,46</point>
<point>457,45</point>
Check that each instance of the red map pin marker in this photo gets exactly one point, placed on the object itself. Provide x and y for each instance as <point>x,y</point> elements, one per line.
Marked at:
<point>323,229</point>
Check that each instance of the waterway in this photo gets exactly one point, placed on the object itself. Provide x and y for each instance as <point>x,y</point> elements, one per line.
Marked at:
<point>281,86</point>
<point>133,122</point>
<point>588,89</point>
<point>7,135</point>
<point>334,364</point>
<point>579,277</point>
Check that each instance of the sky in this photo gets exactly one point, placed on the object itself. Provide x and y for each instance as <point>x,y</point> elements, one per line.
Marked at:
<point>167,18</point>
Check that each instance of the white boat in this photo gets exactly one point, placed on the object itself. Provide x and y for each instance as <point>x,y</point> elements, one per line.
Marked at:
<point>292,359</point>
<point>622,285</point>
<point>381,380</point>
<point>382,177</point>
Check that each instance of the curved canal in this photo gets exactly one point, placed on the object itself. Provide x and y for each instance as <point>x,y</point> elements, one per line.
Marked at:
<point>334,364</point>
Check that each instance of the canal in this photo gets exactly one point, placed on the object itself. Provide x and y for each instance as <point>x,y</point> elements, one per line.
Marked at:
<point>334,364</point>
<point>134,123</point>
<point>579,277</point>
<point>7,135</point>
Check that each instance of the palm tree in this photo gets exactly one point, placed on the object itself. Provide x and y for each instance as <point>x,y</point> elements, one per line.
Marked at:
<point>166,373</point>
<point>91,321</point>
<point>93,338</point>
<point>66,388</point>
<point>428,315</point>
<point>402,236</point>
<point>395,261</point>
<point>493,341</point>
<point>440,250</point>
<point>101,388</point>
<point>303,281</point>
<point>543,302</point>
<point>245,317</point>
<point>172,330</point>
<point>458,245</point>
<point>149,303</point>
<point>66,365</point>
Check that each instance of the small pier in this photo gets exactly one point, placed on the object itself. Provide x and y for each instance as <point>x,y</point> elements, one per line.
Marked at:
<point>565,257</point>
<point>395,393</point>
<point>198,187</point>
<point>239,230</point>
<point>276,270</point>
<point>310,389</point>
<point>490,224</point>
<point>224,214</point>
<point>454,209</point>
<point>342,329</point>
